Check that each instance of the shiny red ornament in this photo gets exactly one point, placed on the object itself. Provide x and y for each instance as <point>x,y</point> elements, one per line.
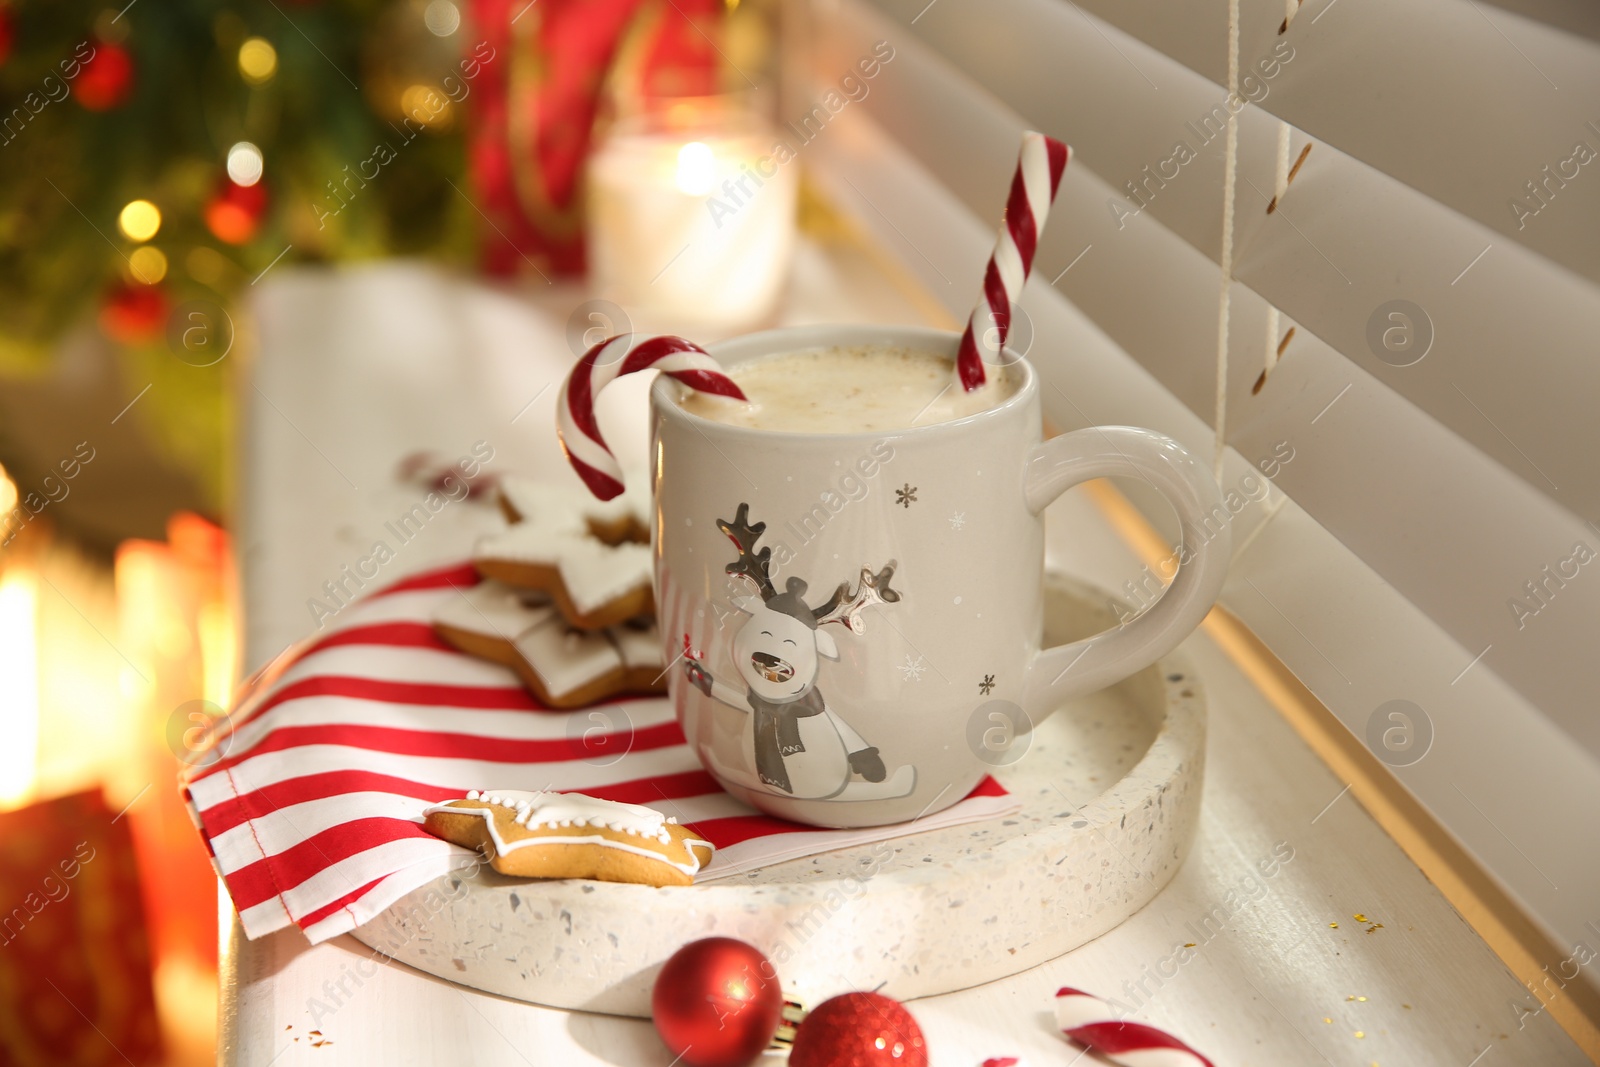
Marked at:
<point>106,78</point>
<point>8,32</point>
<point>859,1030</point>
<point>134,314</point>
<point>717,1003</point>
<point>234,214</point>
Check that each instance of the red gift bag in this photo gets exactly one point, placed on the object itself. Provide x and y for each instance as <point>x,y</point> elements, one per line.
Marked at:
<point>535,104</point>
<point>75,984</point>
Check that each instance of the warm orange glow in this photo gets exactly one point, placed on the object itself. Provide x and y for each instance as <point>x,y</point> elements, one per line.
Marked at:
<point>94,665</point>
<point>8,494</point>
<point>19,687</point>
<point>19,663</point>
<point>85,734</point>
<point>186,1001</point>
<point>218,652</point>
<point>177,622</point>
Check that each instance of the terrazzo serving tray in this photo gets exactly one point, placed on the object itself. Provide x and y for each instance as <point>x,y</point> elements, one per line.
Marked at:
<point>1111,795</point>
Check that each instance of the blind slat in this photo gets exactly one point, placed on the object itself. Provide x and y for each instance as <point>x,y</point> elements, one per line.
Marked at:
<point>1357,636</point>
<point>1458,533</point>
<point>1467,104</point>
<point>1348,241</point>
<point>1388,570</point>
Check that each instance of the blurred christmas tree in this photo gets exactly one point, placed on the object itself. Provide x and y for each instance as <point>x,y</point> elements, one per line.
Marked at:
<point>169,151</point>
<point>162,156</point>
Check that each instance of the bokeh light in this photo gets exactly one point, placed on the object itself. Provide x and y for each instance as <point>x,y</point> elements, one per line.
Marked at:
<point>236,212</point>
<point>244,163</point>
<point>258,60</point>
<point>139,221</point>
<point>208,266</point>
<point>427,105</point>
<point>442,18</point>
<point>147,264</point>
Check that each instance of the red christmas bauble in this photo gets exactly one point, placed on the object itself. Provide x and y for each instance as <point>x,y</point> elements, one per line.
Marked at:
<point>106,79</point>
<point>859,1030</point>
<point>234,214</point>
<point>717,1003</point>
<point>134,314</point>
<point>8,31</point>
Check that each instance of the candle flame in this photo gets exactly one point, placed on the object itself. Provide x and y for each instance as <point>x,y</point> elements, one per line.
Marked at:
<point>697,168</point>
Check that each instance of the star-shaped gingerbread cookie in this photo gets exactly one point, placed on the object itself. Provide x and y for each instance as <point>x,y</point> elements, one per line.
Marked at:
<point>591,557</point>
<point>570,835</point>
<point>564,667</point>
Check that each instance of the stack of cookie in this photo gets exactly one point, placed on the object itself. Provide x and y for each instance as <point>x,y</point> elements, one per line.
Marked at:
<point>566,601</point>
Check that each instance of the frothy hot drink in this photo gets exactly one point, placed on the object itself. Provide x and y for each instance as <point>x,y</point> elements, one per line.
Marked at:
<point>851,389</point>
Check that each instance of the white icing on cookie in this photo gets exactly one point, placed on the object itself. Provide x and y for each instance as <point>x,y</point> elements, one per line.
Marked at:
<point>532,500</point>
<point>594,572</point>
<point>567,659</point>
<point>493,610</point>
<point>536,810</point>
<point>554,532</point>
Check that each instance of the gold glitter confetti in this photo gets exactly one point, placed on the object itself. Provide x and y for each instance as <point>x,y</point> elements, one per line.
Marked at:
<point>1333,926</point>
<point>1188,944</point>
<point>1374,926</point>
<point>1327,1020</point>
<point>1354,997</point>
<point>1358,917</point>
<point>1361,1033</point>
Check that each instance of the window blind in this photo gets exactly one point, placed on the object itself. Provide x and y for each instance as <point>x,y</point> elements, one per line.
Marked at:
<point>1423,542</point>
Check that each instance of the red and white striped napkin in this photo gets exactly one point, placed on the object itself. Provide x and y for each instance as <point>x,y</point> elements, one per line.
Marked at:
<point>312,807</point>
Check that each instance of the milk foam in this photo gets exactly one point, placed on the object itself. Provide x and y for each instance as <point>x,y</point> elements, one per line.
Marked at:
<point>851,389</point>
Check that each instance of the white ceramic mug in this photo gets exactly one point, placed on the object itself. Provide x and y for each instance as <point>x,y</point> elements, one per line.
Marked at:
<point>875,703</point>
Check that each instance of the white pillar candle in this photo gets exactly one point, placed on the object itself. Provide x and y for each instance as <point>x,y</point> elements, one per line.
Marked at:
<point>691,219</point>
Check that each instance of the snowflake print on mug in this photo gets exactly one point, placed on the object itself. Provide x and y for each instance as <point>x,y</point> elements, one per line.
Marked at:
<point>906,496</point>
<point>986,685</point>
<point>958,520</point>
<point>913,668</point>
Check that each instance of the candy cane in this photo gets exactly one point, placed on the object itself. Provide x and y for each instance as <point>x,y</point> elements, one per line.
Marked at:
<point>580,436</point>
<point>1033,187</point>
<point>1088,1020</point>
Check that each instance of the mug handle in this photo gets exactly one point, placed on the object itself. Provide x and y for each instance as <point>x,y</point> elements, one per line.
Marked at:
<point>1065,671</point>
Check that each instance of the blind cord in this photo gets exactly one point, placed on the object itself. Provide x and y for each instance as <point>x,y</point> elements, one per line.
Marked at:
<point>1282,175</point>
<point>1280,185</point>
<point>1230,169</point>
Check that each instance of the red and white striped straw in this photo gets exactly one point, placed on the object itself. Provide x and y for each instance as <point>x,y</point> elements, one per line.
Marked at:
<point>607,361</point>
<point>1033,188</point>
<point>1089,1021</point>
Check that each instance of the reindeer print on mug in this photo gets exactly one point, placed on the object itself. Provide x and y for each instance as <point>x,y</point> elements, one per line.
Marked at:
<point>799,746</point>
